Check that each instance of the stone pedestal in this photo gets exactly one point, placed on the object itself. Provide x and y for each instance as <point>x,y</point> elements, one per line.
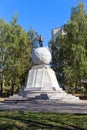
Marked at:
<point>42,84</point>
<point>42,78</point>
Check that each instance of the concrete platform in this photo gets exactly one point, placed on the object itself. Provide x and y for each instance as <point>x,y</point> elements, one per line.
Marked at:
<point>52,106</point>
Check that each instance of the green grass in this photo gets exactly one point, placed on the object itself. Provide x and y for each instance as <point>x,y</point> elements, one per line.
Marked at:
<point>18,120</point>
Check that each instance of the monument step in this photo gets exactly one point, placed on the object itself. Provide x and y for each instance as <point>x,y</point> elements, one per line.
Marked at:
<point>60,95</point>
<point>15,97</point>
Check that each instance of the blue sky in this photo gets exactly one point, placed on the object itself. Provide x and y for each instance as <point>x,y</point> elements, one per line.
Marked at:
<point>41,15</point>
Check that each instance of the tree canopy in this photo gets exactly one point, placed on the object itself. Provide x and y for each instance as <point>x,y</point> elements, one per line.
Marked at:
<point>69,51</point>
<point>15,55</point>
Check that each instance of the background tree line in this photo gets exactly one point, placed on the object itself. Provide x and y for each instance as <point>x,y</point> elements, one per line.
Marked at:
<point>69,52</point>
<point>15,55</point>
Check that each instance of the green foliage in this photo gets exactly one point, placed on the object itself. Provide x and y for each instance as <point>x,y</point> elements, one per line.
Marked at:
<point>14,120</point>
<point>70,60</point>
<point>15,55</point>
<point>33,37</point>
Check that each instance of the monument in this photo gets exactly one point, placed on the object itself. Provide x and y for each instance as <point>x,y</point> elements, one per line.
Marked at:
<point>42,82</point>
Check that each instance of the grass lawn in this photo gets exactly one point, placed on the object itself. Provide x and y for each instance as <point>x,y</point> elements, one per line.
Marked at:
<point>18,120</point>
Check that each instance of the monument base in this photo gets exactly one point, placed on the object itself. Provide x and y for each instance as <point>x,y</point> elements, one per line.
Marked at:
<point>45,95</point>
<point>42,84</point>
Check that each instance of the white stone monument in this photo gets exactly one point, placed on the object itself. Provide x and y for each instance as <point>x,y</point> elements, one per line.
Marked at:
<point>42,82</point>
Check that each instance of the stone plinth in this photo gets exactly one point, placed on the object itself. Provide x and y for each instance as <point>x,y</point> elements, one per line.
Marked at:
<point>42,77</point>
<point>42,84</point>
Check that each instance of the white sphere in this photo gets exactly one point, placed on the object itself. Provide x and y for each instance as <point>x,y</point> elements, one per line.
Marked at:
<point>41,56</point>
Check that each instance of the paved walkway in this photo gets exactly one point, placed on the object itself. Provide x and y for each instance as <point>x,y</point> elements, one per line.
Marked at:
<point>45,106</point>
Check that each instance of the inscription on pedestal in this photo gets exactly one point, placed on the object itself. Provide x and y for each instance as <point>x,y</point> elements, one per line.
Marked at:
<point>35,79</point>
<point>47,82</point>
<point>31,79</point>
<point>39,78</point>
